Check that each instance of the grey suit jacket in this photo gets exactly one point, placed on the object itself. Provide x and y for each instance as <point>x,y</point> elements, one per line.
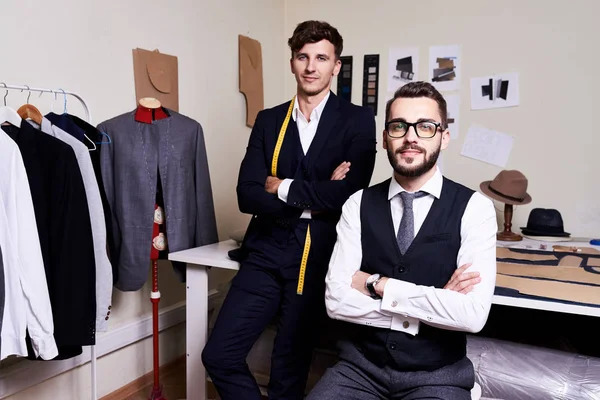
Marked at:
<point>174,148</point>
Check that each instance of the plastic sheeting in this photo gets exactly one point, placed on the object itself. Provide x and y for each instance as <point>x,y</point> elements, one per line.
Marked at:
<point>514,371</point>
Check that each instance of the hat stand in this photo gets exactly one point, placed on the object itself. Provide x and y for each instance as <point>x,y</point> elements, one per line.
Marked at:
<point>507,234</point>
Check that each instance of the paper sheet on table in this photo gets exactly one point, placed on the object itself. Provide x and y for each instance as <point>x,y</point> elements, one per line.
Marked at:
<point>486,145</point>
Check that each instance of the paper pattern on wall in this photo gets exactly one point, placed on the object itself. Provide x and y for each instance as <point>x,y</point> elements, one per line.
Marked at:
<point>453,106</point>
<point>156,75</point>
<point>251,77</point>
<point>495,91</point>
<point>403,67</point>
<point>486,145</point>
<point>444,67</point>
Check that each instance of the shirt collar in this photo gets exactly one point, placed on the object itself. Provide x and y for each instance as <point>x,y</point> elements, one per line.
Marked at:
<point>433,186</point>
<point>148,115</point>
<point>316,112</point>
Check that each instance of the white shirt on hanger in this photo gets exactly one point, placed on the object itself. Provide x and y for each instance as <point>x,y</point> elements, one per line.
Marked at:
<point>27,301</point>
<point>104,277</point>
<point>404,304</point>
<point>307,130</point>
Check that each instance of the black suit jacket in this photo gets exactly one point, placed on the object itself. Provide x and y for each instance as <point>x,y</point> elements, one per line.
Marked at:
<point>346,132</point>
<point>65,232</point>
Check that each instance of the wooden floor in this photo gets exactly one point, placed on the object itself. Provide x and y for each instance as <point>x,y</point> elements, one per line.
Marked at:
<point>172,378</point>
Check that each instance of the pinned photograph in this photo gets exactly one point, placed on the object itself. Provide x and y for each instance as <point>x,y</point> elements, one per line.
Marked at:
<point>453,106</point>
<point>403,67</point>
<point>444,67</point>
<point>495,91</point>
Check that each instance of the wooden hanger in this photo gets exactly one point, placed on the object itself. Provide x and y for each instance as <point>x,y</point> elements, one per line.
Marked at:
<point>29,111</point>
<point>149,102</point>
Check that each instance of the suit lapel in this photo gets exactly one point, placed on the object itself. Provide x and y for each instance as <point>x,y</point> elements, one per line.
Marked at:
<point>329,119</point>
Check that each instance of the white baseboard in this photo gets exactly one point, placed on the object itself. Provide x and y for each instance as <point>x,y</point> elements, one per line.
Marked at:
<point>25,373</point>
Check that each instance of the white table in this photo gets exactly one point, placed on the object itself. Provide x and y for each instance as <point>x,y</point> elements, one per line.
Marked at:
<point>196,331</point>
<point>215,255</point>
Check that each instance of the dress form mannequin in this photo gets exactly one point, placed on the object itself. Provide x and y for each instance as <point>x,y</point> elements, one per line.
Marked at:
<point>149,102</point>
<point>158,244</point>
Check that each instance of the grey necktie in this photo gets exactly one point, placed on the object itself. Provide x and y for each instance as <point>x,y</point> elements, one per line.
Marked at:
<point>406,230</point>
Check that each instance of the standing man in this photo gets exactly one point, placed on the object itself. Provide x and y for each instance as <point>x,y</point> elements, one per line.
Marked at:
<point>303,161</point>
<point>393,273</point>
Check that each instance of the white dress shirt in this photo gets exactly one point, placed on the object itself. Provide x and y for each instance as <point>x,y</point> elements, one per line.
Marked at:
<point>307,130</point>
<point>405,305</point>
<point>104,277</point>
<point>27,301</point>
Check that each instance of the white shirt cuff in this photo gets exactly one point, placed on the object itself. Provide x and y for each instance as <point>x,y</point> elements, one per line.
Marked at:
<point>283,189</point>
<point>395,301</point>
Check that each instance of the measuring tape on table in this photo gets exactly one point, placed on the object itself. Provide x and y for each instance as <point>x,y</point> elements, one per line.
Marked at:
<point>306,250</point>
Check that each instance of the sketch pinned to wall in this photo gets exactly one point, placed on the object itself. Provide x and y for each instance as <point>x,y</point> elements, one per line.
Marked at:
<point>453,106</point>
<point>403,67</point>
<point>486,145</point>
<point>495,91</point>
<point>444,67</point>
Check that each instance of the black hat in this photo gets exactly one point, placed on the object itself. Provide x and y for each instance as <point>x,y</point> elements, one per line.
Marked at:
<point>544,222</point>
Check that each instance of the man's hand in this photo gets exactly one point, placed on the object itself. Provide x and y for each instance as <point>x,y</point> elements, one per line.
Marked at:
<point>461,281</point>
<point>341,171</point>
<point>359,279</point>
<point>272,184</point>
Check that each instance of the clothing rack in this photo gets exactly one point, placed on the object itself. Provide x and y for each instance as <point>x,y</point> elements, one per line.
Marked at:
<point>88,118</point>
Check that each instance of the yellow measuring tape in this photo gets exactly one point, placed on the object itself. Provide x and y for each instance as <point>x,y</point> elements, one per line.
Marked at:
<point>306,250</point>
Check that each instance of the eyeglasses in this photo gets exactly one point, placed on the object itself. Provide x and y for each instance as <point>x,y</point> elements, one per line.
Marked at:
<point>398,128</point>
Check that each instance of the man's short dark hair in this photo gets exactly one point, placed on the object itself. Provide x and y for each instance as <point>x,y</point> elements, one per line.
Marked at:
<point>313,32</point>
<point>420,89</point>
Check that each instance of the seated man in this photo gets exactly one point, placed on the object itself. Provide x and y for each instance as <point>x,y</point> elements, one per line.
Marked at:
<point>393,272</point>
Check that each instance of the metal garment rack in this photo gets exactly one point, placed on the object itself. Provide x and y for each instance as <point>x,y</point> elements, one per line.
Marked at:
<point>88,117</point>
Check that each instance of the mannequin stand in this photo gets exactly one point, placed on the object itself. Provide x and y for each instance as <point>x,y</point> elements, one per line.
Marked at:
<point>508,234</point>
<point>156,393</point>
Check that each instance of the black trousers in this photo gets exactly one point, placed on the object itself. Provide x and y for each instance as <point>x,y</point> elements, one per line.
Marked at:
<point>265,288</point>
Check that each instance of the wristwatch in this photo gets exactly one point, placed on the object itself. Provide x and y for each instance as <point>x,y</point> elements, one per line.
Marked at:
<point>370,285</point>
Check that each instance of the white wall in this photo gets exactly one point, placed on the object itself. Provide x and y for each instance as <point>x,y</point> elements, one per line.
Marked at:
<point>86,47</point>
<point>553,45</point>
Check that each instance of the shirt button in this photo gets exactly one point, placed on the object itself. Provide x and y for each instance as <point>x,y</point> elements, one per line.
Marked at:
<point>394,303</point>
<point>393,346</point>
<point>401,269</point>
<point>405,324</point>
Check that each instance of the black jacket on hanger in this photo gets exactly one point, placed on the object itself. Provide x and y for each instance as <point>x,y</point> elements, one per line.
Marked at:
<point>65,232</point>
<point>77,128</point>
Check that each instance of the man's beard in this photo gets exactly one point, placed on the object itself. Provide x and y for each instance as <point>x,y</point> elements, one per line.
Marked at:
<point>413,172</point>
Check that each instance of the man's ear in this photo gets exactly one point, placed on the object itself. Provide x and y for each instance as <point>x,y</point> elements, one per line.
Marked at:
<point>445,139</point>
<point>338,67</point>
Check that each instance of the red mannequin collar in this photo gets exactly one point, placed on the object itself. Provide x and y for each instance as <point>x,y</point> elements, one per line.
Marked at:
<point>147,115</point>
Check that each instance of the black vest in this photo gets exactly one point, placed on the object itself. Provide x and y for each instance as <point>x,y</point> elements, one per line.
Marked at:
<point>430,260</point>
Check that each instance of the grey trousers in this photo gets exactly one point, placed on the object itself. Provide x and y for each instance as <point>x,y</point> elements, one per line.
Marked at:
<point>355,377</point>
